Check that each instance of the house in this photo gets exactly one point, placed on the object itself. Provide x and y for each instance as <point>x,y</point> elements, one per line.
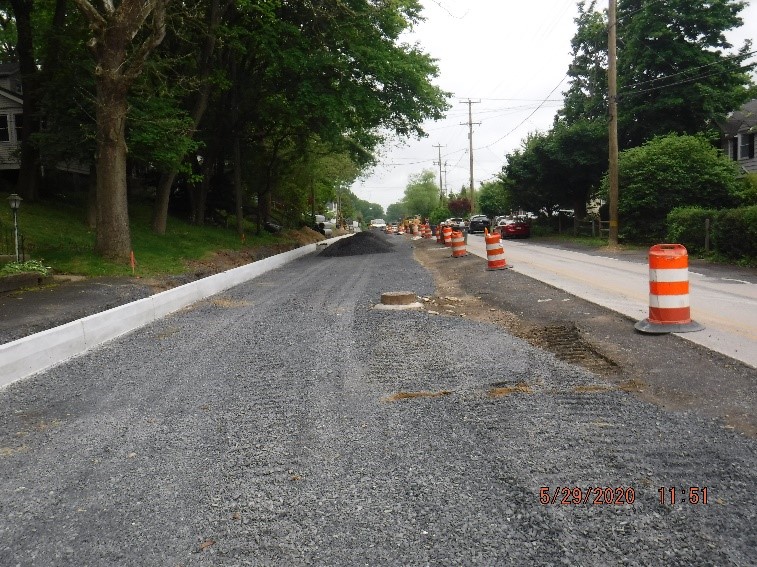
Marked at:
<point>11,122</point>
<point>11,115</point>
<point>739,130</point>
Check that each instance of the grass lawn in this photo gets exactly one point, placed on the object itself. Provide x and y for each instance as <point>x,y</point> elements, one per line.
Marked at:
<point>56,233</point>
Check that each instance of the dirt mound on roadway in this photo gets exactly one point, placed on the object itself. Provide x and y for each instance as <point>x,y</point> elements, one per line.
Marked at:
<point>358,244</point>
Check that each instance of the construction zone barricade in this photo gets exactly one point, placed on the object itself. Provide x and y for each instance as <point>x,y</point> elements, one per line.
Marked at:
<point>427,231</point>
<point>438,233</point>
<point>458,244</point>
<point>495,253</point>
<point>669,307</point>
<point>447,235</point>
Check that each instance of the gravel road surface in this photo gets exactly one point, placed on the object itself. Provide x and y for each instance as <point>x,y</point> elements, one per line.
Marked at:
<point>287,422</point>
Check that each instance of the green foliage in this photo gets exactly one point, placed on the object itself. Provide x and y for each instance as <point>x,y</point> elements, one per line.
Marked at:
<point>440,214</point>
<point>56,231</point>
<point>559,169</point>
<point>494,197</point>
<point>735,233</point>
<point>396,212</point>
<point>674,74</point>
<point>25,267</point>
<point>746,192</point>
<point>669,172</point>
<point>160,132</point>
<point>686,226</point>
<point>586,98</point>
<point>421,194</point>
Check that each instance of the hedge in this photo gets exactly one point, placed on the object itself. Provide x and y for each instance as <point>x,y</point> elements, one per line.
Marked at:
<point>733,232</point>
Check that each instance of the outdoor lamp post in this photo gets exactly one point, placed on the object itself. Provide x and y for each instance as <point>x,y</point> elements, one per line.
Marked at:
<point>15,202</point>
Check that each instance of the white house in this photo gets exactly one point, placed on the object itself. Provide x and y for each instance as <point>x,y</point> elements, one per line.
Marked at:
<point>11,114</point>
<point>739,131</point>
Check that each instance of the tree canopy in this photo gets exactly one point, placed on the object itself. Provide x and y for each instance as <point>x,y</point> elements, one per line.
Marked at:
<point>236,104</point>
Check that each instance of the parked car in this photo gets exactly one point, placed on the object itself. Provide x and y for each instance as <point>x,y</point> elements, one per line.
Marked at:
<point>378,223</point>
<point>456,223</point>
<point>477,223</point>
<point>513,228</point>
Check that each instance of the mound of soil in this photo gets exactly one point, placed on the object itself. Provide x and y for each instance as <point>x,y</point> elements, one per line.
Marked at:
<point>361,243</point>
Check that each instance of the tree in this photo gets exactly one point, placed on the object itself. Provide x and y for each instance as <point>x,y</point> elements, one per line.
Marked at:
<point>459,206</point>
<point>118,62</point>
<point>533,176</point>
<point>586,98</point>
<point>494,197</point>
<point>421,194</point>
<point>673,72</point>
<point>668,172</point>
<point>396,212</point>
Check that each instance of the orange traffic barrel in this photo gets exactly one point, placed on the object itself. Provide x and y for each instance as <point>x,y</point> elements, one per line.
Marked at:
<point>669,308</point>
<point>447,235</point>
<point>458,244</point>
<point>495,253</point>
<point>426,230</point>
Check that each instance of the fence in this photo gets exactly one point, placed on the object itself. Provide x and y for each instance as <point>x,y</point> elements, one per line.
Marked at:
<point>590,227</point>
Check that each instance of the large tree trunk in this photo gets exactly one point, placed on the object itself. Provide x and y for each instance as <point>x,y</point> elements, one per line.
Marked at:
<point>118,63</point>
<point>92,198</point>
<point>113,238</point>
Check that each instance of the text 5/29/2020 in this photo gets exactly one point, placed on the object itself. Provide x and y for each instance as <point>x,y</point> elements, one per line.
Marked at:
<point>576,495</point>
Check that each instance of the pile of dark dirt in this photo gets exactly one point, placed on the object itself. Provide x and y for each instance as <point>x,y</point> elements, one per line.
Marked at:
<point>361,243</point>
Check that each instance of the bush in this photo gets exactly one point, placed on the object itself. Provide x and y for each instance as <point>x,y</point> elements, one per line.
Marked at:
<point>668,172</point>
<point>25,267</point>
<point>747,190</point>
<point>733,231</point>
<point>686,225</point>
<point>735,235</point>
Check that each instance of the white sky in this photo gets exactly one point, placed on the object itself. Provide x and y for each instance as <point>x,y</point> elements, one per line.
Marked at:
<point>507,54</point>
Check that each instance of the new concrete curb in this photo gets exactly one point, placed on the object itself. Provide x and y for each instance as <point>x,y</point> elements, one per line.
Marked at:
<point>29,355</point>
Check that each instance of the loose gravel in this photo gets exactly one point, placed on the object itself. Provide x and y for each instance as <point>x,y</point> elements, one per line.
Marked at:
<point>264,427</point>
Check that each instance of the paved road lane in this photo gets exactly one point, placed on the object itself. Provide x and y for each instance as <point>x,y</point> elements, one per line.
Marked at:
<point>727,307</point>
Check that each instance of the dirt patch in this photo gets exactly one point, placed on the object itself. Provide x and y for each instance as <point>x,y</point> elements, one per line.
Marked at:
<point>414,395</point>
<point>499,391</point>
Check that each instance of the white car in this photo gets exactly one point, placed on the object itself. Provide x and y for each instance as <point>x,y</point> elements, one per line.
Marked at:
<point>378,223</point>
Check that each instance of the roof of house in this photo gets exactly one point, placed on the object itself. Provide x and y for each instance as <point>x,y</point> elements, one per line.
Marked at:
<point>742,119</point>
<point>7,69</point>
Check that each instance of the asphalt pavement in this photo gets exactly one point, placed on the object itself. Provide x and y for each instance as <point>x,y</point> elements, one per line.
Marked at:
<point>288,422</point>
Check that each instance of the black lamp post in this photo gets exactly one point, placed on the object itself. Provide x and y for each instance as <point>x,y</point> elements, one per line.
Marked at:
<point>15,202</point>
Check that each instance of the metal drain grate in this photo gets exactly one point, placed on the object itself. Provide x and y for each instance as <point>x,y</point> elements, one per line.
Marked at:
<point>566,342</point>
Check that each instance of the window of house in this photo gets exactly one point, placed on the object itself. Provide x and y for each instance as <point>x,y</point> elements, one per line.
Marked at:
<point>18,119</point>
<point>746,146</point>
<point>733,148</point>
<point>4,131</point>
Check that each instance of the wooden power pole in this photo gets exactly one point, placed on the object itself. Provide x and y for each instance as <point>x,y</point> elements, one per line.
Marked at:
<point>470,123</point>
<point>441,186</point>
<point>612,97</point>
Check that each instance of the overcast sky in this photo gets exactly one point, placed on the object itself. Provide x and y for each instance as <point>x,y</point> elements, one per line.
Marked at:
<point>508,56</point>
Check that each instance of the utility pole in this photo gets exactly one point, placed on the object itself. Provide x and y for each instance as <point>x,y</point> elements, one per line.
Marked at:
<point>612,97</point>
<point>439,163</point>
<point>470,123</point>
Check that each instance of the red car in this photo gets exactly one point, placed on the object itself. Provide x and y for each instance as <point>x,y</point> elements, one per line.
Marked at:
<point>513,228</point>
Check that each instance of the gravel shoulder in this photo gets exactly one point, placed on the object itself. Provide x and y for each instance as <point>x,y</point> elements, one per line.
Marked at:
<point>288,422</point>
